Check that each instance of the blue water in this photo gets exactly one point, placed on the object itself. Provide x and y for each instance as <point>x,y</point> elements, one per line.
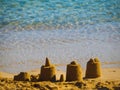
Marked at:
<point>57,14</point>
<point>63,30</point>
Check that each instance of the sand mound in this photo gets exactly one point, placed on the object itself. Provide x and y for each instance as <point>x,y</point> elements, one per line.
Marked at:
<point>23,76</point>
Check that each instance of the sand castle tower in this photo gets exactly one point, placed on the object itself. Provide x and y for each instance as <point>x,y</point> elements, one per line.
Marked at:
<point>93,68</point>
<point>23,76</point>
<point>48,72</point>
<point>74,72</point>
<point>62,79</point>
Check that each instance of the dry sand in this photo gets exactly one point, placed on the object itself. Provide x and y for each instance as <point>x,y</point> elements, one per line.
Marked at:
<point>110,80</point>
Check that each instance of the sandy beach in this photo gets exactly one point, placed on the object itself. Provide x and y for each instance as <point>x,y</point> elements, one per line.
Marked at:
<point>62,30</point>
<point>110,80</point>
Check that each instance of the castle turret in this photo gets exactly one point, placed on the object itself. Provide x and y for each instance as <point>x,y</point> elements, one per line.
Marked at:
<point>48,72</point>
<point>93,68</point>
<point>74,72</point>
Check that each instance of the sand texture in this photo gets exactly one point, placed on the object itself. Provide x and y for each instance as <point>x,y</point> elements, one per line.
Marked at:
<point>110,80</point>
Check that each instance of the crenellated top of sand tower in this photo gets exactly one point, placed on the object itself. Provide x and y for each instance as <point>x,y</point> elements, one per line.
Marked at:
<point>73,63</point>
<point>93,60</point>
<point>96,60</point>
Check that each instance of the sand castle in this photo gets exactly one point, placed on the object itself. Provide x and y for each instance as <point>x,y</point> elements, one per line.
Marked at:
<point>23,76</point>
<point>74,72</point>
<point>48,72</point>
<point>93,68</point>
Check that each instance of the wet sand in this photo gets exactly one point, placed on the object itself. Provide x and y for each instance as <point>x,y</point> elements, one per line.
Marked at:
<point>110,79</point>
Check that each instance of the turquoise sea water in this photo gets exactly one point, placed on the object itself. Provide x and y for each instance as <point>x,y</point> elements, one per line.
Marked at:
<point>63,30</point>
<point>57,14</point>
